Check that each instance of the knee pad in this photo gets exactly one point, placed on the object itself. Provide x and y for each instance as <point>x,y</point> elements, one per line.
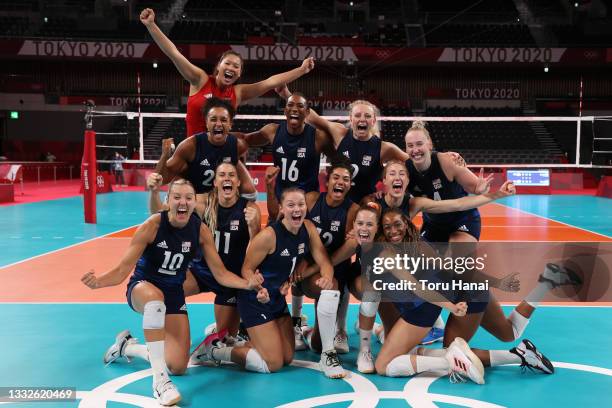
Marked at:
<point>328,301</point>
<point>400,366</point>
<point>254,362</point>
<point>519,323</point>
<point>154,315</point>
<point>249,196</point>
<point>368,309</point>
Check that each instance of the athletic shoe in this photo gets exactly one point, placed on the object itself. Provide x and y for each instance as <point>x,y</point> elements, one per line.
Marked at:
<point>241,339</point>
<point>331,365</point>
<point>365,362</point>
<point>379,332</point>
<point>464,363</point>
<point>300,340</point>
<point>433,335</point>
<point>166,393</point>
<point>203,352</point>
<point>341,342</point>
<point>559,275</point>
<point>117,349</point>
<point>531,358</point>
<point>210,329</point>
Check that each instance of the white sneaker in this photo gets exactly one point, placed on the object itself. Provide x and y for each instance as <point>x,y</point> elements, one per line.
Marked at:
<point>117,349</point>
<point>331,365</point>
<point>463,362</point>
<point>166,393</point>
<point>559,275</point>
<point>210,329</point>
<point>379,332</point>
<point>203,352</point>
<point>365,362</point>
<point>300,340</point>
<point>531,358</point>
<point>341,342</point>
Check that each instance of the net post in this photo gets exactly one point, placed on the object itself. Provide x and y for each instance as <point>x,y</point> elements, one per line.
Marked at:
<point>88,169</point>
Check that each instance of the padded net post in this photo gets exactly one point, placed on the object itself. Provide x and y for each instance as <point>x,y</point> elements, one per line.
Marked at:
<point>88,177</point>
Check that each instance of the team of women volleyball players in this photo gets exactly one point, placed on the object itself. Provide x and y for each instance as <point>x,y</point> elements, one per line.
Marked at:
<point>206,236</point>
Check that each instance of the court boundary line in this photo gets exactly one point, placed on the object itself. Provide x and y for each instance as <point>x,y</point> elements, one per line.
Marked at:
<point>550,219</point>
<point>66,247</point>
<point>545,304</point>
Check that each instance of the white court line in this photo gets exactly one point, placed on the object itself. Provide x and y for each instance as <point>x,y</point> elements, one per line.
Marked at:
<point>66,247</point>
<point>550,219</point>
<point>525,226</point>
<point>305,301</point>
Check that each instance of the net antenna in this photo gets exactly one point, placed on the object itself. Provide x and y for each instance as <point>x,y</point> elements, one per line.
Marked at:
<point>90,106</point>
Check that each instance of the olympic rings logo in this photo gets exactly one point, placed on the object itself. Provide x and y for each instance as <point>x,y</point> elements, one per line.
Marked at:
<point>365,394</point>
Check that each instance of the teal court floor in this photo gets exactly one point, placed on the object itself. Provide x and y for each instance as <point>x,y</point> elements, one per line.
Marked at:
<point>60,342</point>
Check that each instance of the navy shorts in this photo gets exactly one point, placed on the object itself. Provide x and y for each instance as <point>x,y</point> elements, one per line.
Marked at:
<point>476,301</point>
<point>422,314</point>
<point>253,313</point>
<point>342,275</point>
<point>174,298</point>
<point>207,283</point>
<point>432,232</point>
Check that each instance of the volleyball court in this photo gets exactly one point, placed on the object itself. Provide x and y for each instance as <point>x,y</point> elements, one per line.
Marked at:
<point>58,329</point>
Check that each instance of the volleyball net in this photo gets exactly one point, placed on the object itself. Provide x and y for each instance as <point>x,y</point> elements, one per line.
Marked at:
<point>558,141</point>
<point>531,150</point>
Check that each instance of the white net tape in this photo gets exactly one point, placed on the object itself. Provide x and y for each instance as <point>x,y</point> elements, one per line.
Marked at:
<point>575,126</point>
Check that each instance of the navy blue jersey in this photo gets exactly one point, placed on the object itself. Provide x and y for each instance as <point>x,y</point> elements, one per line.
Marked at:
<point>232,235</point>
<point>290,250</point>
<point>297,158</point>
<point>365,158</point>
<point>404,206</point>
<point>201,171</point>
<point>330,222</point>
<point>164,261</point>
<point>432,183</point>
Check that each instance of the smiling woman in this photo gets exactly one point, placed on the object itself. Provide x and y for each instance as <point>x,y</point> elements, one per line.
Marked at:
<point>160,252</point>
<point>222,83</point>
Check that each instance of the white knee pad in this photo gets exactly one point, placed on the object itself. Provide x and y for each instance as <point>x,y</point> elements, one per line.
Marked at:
<point>250,196</point>
<point>400,366</point>
<point>254,362</point>
<point>519,323</point>
<point>368,309</point>
<point>328,302</point>
<point>154,315</point>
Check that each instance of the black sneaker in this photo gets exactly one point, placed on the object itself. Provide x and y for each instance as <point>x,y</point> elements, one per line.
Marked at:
<point>531,358</point>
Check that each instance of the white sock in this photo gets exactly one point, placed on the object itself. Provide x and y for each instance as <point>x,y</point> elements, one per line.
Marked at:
<point>157,360</point>
<point>137,350</point>
<point>501,357</point>
<point>364,339</point>
<point>537,294</point>
<point>426,363</point>
<point>439,324</point>
<point>327,309</point>
<point>223,354</point>
<point>343,311</point>
<point>296,305</point>
<point>429,352</point>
